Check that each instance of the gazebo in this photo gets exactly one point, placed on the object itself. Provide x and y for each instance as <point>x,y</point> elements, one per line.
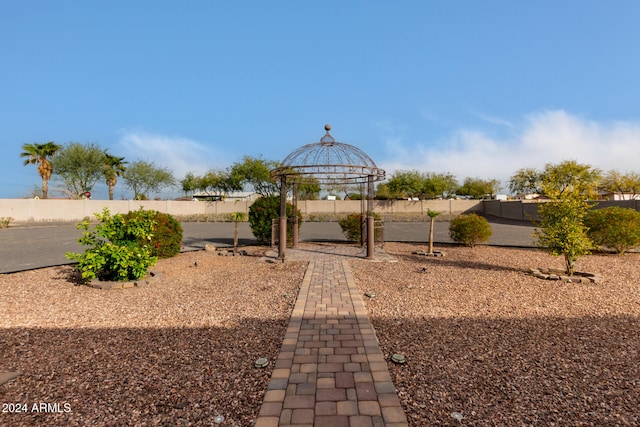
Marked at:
<point>326,162</point>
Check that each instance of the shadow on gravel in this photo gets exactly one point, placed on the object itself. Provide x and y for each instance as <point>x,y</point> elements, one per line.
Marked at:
<point>199,243</point>
<point>343,248</point>
<point>71,275</point>
<point>135,376</point>
<point>535,371</point>
<point>425,261</point>
<point>499,220</point>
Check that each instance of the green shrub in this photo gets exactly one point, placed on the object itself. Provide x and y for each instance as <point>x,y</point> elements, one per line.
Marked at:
<point>614,227</point>
<point>469,229</point>
<point>261,214</point>
<point>166,240</point>
<point>114,251</point>
<point>351,226</point>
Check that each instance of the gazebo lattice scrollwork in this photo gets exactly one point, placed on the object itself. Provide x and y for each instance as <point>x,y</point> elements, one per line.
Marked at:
<point>326,162</point>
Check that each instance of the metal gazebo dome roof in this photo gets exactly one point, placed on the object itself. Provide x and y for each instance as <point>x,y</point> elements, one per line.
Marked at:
<point>330,162</point>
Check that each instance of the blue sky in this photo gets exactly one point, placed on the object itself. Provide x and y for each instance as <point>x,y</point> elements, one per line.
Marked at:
<point>475,88</point>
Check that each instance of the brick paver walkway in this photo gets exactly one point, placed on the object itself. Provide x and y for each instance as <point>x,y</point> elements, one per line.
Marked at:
<point>330,370</point>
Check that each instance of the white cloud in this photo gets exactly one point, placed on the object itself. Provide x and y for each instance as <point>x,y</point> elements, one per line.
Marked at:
<point>179,154</point>
<point>492,120</point>
<point>545,137</point>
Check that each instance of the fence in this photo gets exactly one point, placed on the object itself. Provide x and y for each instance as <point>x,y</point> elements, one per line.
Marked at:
<point>527,210</point>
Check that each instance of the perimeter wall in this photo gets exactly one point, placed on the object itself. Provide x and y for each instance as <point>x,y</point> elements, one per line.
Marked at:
<point>58,210</point>
<point>523,210</point>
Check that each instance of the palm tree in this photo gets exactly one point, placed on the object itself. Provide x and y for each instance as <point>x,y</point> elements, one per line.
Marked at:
<point>40,154</point>
<point>113,168</point>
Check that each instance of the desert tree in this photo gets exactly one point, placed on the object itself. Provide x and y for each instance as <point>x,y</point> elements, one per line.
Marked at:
<point>344,188</point>
<point>525,181</point>
<point>79,166</point>
<point>406,184</point>
<point>189,183</point>
<point>383,192</point>
<point>561,229</point>
<point>211,183</point>
<point>478,188</point>
<point>627,184</point>
<point>415,184</point>
<point>439,185</point>
<point>570,178</point>
<point>255,172</point>
<point>307,188</point>
<point>144,177</point>
<point>557,180</point>
<point>561,225</point>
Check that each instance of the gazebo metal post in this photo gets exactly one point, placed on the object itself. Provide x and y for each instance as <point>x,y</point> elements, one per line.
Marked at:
<point>363,222</point>
<point>370,223</point>
<point>294,220</point>
<point>282,240</point>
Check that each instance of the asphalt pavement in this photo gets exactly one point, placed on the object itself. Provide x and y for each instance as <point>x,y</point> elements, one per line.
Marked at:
<point>27,247</point>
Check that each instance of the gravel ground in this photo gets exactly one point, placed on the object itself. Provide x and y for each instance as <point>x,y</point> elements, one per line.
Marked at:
<point>489,343</point>
<point>482,338</point>
<point>176,351</point>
